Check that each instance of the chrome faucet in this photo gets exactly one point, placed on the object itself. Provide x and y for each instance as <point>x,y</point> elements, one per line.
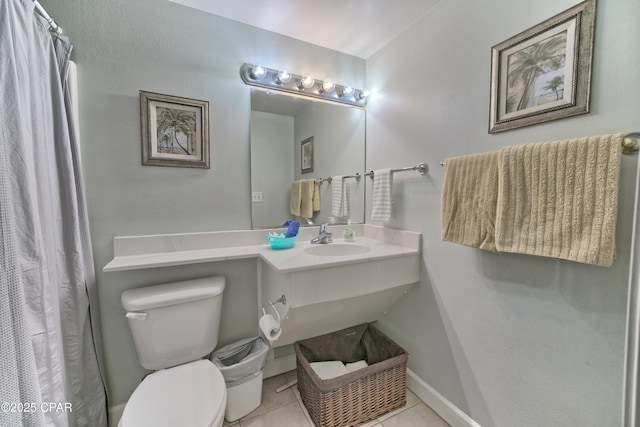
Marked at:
<point>323,236</point>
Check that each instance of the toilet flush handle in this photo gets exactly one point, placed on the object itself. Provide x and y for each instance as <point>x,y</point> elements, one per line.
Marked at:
<point>136,315</point>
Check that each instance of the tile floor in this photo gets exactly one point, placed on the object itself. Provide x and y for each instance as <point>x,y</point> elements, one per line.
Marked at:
<point>285,409</point>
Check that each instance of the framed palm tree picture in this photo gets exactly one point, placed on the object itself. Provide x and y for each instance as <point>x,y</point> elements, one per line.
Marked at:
<point>543,73</point>
<point>306,155</point>
<point>175,131</point>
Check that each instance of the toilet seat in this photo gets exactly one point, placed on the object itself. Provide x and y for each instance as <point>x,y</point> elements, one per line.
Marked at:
<point>193,394</point>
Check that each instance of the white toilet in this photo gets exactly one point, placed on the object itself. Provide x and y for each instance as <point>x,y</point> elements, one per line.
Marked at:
<point>174,326</point>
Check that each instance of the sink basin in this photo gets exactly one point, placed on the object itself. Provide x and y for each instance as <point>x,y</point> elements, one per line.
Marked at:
<point>330,287</point>
<point>336,249</point>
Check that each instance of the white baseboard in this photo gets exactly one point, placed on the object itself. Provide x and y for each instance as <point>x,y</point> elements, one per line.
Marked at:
<point>447,410</point>
<point>443,407</point>
<point>280,365</point>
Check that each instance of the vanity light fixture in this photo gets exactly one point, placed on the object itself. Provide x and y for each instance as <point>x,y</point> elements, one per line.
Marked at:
<point>346,91</point>
<point>283,77</point>
<point>280,80</point>
<point>328,86</point>
<point>306,82</point>
<point>363,94</point>
<point>258,72</point>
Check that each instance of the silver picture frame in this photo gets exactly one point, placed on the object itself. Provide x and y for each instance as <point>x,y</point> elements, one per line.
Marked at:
<point>543,73</point>
<point>306,155</point>
<point>175,131</point>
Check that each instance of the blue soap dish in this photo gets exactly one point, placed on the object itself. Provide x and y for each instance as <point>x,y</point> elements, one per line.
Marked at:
<point>281,242</point>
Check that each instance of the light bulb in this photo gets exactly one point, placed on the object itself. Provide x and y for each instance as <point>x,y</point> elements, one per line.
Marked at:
<point>283,77</point>
<point>307,82</point>
<point>363,94</point>
<point>258,72</point>
<point>347,90</point>
<point>328,86</point>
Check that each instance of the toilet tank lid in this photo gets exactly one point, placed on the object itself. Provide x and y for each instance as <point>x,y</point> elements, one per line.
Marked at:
<point>172,293</point>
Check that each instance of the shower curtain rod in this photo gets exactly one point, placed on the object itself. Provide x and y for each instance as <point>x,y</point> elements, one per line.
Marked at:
<point>52,24</point>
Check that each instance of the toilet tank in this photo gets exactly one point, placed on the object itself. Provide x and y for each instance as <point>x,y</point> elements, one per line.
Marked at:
<point>174,323</point>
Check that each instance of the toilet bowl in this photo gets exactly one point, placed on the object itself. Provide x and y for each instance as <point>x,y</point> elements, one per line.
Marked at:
<point>174,325</point>
<point>188,395</point>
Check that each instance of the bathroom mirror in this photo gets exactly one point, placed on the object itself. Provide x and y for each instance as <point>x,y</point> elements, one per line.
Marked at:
<point>334,144</point>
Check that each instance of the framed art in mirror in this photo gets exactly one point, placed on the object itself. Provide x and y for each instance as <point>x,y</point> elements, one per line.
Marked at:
<point>175,131</point>
<point>543,73</point>
<point>306,155</point>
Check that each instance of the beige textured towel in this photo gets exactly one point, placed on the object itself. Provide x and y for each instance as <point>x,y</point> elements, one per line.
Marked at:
<point>307,189</point>
<point>469,200</point>
<point>294,198</point>
<point>560,199</point>
<point>304,198</point>
<point>316,195</point>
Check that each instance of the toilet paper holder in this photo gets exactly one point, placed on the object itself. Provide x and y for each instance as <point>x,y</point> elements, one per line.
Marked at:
<point>283,301</point>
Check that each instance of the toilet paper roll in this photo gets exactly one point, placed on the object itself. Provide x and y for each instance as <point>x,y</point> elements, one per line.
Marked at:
<point>269,326</point>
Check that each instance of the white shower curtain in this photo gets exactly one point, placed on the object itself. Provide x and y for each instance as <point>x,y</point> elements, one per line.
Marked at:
<point>49,374</point>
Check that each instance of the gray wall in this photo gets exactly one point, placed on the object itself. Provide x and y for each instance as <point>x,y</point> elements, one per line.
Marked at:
<point>512,340</point>
<point>338,149</point>
<point>122,47</point>
<point>271,167</point>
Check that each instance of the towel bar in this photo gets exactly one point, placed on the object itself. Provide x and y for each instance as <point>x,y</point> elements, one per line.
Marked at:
<point>630,144</point>
<point>357,176</point>
<point>422,169</point>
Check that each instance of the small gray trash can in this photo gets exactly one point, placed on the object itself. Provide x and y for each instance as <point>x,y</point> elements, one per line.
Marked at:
<point>241,364</point>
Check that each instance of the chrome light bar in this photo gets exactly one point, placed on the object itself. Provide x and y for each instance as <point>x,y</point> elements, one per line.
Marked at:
<point>280,80</point>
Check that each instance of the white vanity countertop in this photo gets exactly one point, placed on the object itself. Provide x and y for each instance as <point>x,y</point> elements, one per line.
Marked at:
<point>138,252</point>
<point>296,259</point>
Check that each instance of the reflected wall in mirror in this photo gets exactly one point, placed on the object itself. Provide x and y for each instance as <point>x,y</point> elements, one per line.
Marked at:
<point>279,125</point>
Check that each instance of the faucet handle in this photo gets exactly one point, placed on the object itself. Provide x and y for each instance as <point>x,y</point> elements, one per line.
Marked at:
<point>323,227</point>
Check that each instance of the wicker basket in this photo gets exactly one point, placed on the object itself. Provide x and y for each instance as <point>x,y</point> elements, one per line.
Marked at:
<point>362,395</point>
